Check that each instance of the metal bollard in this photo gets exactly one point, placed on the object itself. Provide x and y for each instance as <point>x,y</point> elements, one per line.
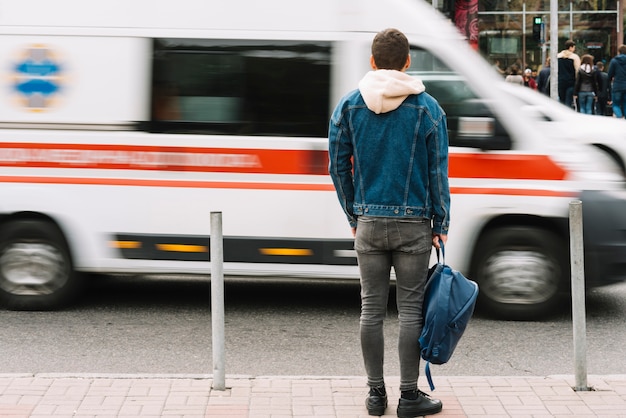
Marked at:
<point>217,301</point>
<point>578,295</point>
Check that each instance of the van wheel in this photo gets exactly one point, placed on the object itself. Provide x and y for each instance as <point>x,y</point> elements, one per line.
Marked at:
<point>36,270</point>
<point>521,272</point>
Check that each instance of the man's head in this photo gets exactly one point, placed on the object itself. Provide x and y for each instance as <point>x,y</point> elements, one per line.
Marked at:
<point>622,49</point>
<point>600,65</point>
<point>390,51</point>
<point>571,45</point>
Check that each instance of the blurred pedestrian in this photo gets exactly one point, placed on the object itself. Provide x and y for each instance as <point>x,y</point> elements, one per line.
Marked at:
<point>496,66</point>
<point>388,149</point>
<point>586,88</point>
<point>617,77</point>
<point>568,65</point>
<point>514,76</point>
<point>529,81</point>
<point>604,90</point>
<point>543,79</point>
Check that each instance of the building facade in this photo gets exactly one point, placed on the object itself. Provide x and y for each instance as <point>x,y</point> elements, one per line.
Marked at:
<point>517,31</point>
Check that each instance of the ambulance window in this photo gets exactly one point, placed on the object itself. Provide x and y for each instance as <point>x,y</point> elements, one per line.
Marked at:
<point>470,121</point>
<point>241,87</point>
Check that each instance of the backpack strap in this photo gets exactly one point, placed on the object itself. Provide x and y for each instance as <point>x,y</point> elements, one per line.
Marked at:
<point>429,376</point>
<point>443,252</point>
<point>444,300</point>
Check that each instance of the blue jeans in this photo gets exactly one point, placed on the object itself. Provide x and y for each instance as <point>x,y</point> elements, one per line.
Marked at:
<point>585,102</point>
<point>405,244</point>
<point>619,103</point>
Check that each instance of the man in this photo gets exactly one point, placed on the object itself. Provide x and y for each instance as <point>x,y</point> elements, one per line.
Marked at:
<point>604,89</point>
<point>569,63</point>
<point>617,76</point>
<point>388,150</point>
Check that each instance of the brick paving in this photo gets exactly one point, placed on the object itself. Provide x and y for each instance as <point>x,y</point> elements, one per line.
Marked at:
<point>87,396</point>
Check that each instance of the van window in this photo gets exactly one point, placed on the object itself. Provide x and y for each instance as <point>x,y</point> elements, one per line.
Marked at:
<point>471,123</point>
<point>240,87</point>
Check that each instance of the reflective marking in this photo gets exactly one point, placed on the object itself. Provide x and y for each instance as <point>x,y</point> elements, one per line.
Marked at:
<point>345,253</point>
<point>512,192</point>
<point>168,183</point>
<point>509,165</point>
<point>505,166</point>
<point>182,248</point>
<point>163,158</point>
<point>125,244</point>
<point>236,249</point>
<point>286,251</point>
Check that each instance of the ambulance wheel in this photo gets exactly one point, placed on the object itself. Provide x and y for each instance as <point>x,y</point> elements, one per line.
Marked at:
<point>521,272</point>
<point>36,271</point>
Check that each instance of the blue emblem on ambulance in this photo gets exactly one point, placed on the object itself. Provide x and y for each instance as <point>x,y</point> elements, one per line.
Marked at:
<point>37,78</point>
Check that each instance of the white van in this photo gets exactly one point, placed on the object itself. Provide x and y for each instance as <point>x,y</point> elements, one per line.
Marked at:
<point>123,125</point>
<point>608,134</point>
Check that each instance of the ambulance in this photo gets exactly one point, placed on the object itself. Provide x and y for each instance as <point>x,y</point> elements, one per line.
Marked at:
<point>125,124</point>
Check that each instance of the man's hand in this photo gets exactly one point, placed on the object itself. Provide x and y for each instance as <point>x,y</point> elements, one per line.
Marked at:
<point>438,239</point>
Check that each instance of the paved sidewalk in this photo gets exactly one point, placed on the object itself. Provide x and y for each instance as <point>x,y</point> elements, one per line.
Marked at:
<point>83,395</point>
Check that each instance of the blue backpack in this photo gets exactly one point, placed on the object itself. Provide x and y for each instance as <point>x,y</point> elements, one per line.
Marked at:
<point>449,302</point>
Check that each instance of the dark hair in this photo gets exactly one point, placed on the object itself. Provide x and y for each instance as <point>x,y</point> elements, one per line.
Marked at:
<point>514,70</point>
<point>586,59</point>
<point>569,43</point>
<point>622,49</point>
<point>390,49</point>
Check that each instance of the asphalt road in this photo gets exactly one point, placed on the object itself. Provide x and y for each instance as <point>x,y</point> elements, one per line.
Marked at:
<point>163,325</point>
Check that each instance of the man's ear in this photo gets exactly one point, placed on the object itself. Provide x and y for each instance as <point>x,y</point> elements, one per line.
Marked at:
<point>408,63</point>
<point>373,63</point>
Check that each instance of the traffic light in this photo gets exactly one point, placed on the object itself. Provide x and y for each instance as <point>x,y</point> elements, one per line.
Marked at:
<point>537,23</point>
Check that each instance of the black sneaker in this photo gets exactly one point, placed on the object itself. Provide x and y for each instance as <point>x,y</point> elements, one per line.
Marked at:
<point>417,403</point>
<point>376,402</point>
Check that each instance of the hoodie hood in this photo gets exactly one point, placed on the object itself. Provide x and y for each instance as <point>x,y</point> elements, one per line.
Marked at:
<point>385,90</point>
<point>566,53</point>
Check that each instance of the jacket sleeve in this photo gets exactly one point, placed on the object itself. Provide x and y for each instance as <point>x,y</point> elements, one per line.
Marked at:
<point>438,174</point>
<point>576,60</point>
<point>340,164</point>
<point>611,72</point>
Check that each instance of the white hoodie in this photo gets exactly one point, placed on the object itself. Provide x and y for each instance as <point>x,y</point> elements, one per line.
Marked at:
<point>385,90</point>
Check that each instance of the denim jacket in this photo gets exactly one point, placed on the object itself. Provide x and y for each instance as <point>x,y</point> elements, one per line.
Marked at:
<point>388,151</point>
